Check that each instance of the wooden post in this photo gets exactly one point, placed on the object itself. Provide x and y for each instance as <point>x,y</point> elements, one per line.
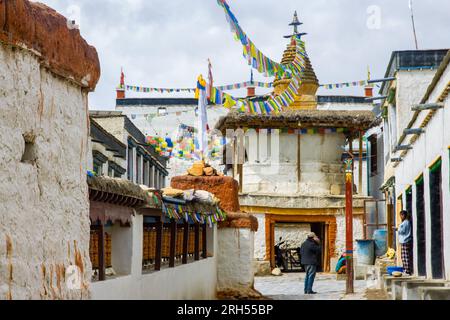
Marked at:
<point>360,171</point>
<point>197,242</point>
<point>241,176</point>
<point>159,230</point>
<point>299,162</point>
<point>390,227</point>
<point>101,253</point>
<point>349,223</point>
<point>173,243</point>
<point>204,243</point>
<point>365,226</point>
<point>326,243</point>
<point>185,242</point>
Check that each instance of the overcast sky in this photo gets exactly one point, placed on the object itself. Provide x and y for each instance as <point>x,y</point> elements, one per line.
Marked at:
<point>166,43</point>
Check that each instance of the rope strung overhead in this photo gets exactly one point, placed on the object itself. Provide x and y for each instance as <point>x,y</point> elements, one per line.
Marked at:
<point>254,56</point>
<point>222,88</point>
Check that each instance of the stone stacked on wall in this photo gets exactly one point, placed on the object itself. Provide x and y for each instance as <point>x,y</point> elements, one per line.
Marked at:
<point>226,189</point>
<point>46,71</point>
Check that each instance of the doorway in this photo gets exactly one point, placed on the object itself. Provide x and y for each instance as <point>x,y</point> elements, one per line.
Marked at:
<point>437,257</point>
<point>319,229</point>
<point>409,209</point>
<point>324,226</point>
<point>421,228</point>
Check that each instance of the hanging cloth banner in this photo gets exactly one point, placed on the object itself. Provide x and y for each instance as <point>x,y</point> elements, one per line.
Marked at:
<point>345,85</point>
<point>202,124</point>
<point>222,88</point>
<point>274,104</point>
<point>254,57</point>
<point>246,85</point>
<point>160,90</point>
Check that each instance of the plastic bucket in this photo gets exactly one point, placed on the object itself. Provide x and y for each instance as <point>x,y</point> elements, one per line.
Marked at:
<point>365,252</point>
<point>380,237</point>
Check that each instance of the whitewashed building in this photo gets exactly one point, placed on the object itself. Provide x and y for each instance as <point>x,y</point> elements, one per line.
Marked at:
<point>413,72</point>
<point>44,130</point>
<point>422,173</point>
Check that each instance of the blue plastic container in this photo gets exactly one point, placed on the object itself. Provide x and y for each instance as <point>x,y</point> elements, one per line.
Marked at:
<point>390,270</point>
<point>365,252</point>
<point>380,237</point>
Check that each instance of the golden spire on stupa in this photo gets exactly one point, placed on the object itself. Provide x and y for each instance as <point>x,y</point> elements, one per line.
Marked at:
<point>306,96</point>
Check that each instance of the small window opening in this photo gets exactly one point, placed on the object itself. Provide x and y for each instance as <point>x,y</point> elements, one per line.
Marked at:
<point>29,154</point>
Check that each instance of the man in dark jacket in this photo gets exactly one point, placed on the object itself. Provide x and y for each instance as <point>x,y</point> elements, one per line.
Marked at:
<point>310,252</point>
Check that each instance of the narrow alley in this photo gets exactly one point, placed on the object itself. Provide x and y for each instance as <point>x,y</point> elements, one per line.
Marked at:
<point>289,286</point>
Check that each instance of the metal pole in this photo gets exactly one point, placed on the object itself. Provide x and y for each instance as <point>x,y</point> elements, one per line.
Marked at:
<point>349,223</point>
<point>360,168</point>
<point>413,24</point>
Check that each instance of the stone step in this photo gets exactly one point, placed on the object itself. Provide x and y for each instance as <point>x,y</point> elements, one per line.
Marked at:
<point>411,289</point>
<point>435,293</point>
<point>396,286</point>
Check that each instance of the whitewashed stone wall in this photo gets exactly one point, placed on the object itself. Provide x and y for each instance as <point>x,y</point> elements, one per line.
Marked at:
<point>294,234</point>
<point>320,165</point>
<point>235,259</point>
<point>411,87</point>
<point>260,238</point>
<point>44,215</point>
<point>431,145</point>
<point>358,233</point>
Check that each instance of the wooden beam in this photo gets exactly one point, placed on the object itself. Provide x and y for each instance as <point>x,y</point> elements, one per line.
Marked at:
<point>241,176</point>
<point>427,106</point>
<point>376,98</point>
<point>159,230</point>
<point>185,242</point>
<point>101,253</point>
<point>403,147</point>
<point>173,243</point>
<point>204,242</point>
<point>413,131</point>
<point>360,169</point>
<point>390,230</point>
<point>197,242</point>
<point>299,158</point>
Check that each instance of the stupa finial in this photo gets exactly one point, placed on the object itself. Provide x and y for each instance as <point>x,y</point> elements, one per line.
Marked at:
<point>296,23</point>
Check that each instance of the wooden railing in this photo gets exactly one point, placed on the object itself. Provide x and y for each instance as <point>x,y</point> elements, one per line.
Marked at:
<point>172,242</point>
<point>163,244</point>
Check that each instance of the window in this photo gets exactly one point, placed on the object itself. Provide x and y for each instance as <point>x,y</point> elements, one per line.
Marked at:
<point>99,160</point>
<point>146,173</point>
<point>130,163</point>
<point>110,172</point>
<point>98,168</point>
<point>162,111</point>
<point>373,155</point>
<point>138,169</point>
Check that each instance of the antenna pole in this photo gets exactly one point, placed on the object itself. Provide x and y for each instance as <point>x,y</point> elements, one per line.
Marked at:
<point>413,23</point>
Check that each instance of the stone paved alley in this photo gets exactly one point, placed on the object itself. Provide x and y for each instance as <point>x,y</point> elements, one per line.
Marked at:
<point>290,287</point>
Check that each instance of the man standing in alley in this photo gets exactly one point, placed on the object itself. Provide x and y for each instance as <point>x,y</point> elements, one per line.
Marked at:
<point>310,257</point>
<point>405,239</point>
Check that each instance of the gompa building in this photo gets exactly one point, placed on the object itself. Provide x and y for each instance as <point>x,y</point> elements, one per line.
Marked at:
<point>292,173</point>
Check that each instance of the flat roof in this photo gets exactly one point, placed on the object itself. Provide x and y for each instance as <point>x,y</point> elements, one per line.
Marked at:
<point>413,59</point>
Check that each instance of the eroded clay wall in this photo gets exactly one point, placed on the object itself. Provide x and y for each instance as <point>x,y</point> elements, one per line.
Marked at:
<point>44,216</point>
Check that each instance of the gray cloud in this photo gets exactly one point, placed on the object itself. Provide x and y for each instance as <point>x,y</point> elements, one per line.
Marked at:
<point>167,43</point>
